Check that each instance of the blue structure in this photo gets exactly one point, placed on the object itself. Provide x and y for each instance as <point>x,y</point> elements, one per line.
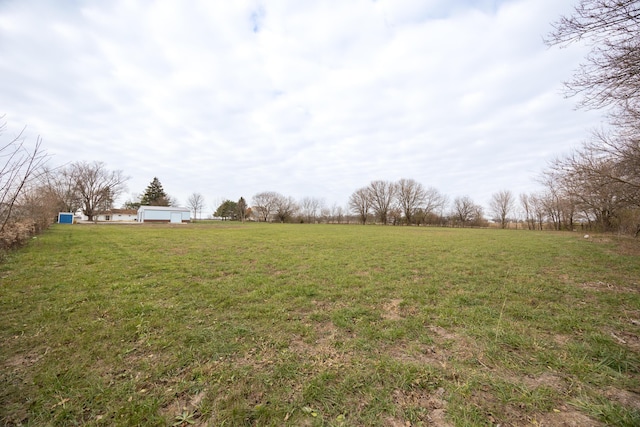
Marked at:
<point>65,218</point>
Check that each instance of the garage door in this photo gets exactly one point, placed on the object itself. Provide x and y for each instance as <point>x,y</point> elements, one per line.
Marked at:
<point>176,217</point>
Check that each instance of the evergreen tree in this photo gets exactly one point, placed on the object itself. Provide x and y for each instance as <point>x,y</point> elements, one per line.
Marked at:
<point>154,195</point>
<point>241,207</point>
<point>227,210</point>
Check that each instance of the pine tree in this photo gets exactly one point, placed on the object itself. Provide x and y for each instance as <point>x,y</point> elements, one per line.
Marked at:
<point>154,195</point>
<point>241,207</point>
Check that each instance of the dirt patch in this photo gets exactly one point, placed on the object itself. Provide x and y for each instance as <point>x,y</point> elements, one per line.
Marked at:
<point>627,339</point>
<point>185,408</point>
<point>25,360</point>
<point>397,309</point>
<point>420,354</point>
<point>433,403</point>
<point>321,351</point>
<point>443,333</point>
<point>512,415</point>
<point>608,287</point>
<point>561,339</point>
<point>446,346</point>
<point>564,418</point>
<point>624,397</point>
<point>391,310</point>
<point>546,379</point>
<point>392,422</point>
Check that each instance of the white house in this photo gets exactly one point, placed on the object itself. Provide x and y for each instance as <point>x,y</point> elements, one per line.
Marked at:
<point>163,214</point>
<point>122,215</point>
<point>110,215</point>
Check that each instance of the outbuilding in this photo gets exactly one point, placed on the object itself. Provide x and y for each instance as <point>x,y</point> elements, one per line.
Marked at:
<point>174,215</point>
<point>65,218</point>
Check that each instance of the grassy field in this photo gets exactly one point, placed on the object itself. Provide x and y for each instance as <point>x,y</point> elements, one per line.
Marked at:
<point>319,325</point>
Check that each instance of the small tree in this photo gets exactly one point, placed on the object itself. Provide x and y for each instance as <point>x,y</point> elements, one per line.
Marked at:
<point>227,210</point>
<point>501,205</point>
<point>337,213</point>
<point>466,212</point>
<point>527,207</point>
<point>360,204</point>
<point>131,204</point>
<point>264,204</point>
<point>310,208</point>
<point>196,203</point>
<point>285,208</point>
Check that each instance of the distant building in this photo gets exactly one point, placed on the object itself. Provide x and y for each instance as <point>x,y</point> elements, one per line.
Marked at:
<point>165,214</point>
<point>111,215</point>
<point>122,215</point>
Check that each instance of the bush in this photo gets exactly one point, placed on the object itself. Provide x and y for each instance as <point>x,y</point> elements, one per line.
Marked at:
<point>17,234</point>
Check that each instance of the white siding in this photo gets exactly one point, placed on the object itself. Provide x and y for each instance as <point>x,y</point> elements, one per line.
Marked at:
<point>163,213</point>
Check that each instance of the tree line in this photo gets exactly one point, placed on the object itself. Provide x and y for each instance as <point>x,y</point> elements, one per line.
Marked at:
<point>408,202</point>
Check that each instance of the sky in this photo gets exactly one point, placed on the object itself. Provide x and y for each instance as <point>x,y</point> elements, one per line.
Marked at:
<point>309,99</point>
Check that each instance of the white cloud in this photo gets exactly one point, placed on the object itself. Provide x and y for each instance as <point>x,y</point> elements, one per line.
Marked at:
<point>306,98</point>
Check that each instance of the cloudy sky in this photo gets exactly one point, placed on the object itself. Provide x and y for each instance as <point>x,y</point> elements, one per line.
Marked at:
<point>310,99</point>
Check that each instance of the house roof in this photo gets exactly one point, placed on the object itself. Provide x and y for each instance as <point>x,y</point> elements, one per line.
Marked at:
<point>124,211</point>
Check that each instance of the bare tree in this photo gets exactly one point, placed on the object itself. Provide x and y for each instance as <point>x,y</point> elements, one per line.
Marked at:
<point>264,204</point>
<point>196,203</point>
<point>526,204</point>
<point>285,208</point>
<point>325,214</point>
<point>19,165</point>
<point>360,203</point>
<point>61,184</point>
<point>411,196</point>
<point>38,205</point>
<point>501,205</point>
<point>611,75</point>
<point>434,205</point>
<point>382,195</point>
<point>310,208</point>
<point>559,204</point>
<point>337,213</point>
<point>466,212</point>
<point>539,210</point>
<point>621,151</point>
<point>586,178</point>
<point>96,186</point>
<point>609,163</point>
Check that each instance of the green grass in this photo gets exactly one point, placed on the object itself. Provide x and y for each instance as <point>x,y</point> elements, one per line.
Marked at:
<point>318,325</point>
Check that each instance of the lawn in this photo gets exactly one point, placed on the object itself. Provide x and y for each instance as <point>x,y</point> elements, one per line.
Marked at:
<point>319,325</point>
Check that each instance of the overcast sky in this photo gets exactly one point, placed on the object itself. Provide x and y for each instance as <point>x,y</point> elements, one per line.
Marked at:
<point>306,98</point>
